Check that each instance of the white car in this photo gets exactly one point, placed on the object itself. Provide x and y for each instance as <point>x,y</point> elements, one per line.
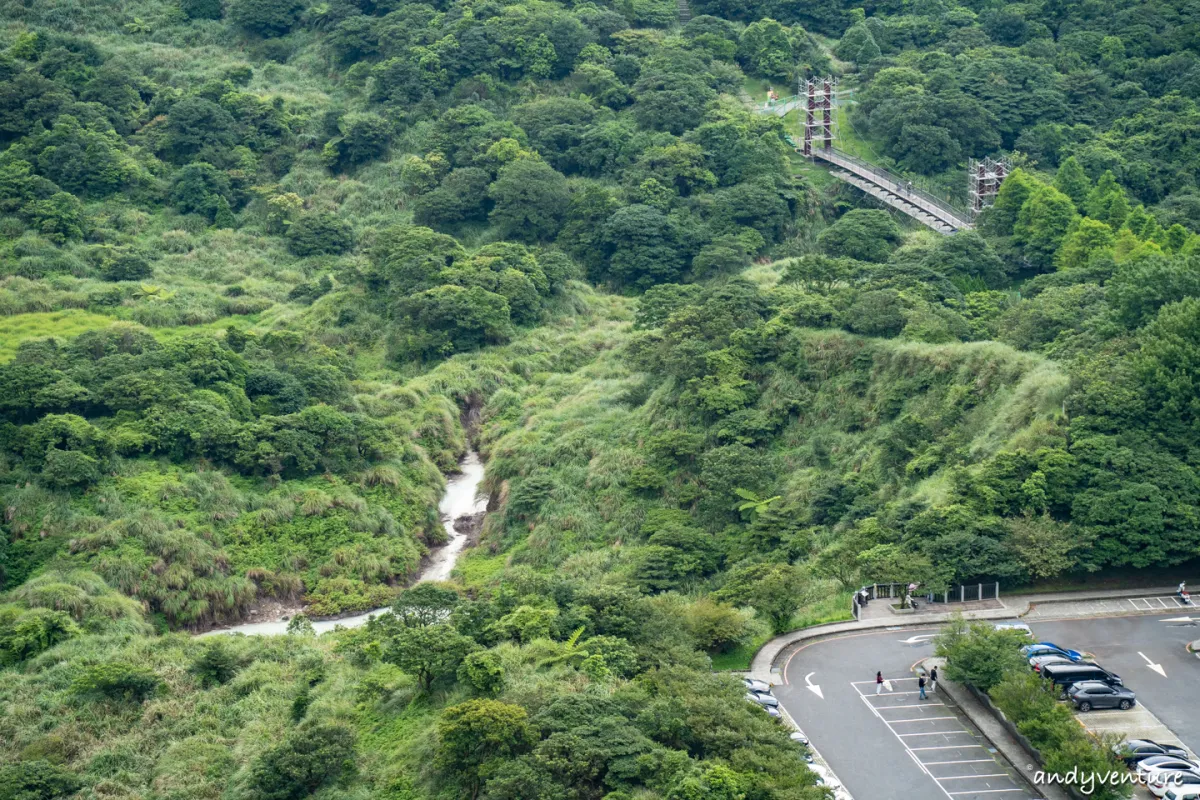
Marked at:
<point>1019,627</point>
<point>1150,767</point>
<point>757,686</point>
<point>1184,782</point>
<point>1181,793</point>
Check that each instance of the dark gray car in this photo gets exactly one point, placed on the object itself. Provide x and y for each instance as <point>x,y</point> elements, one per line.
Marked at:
<point>1096,694</point>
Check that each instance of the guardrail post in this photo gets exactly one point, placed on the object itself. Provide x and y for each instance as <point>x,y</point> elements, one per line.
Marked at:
<point>979,589</point>
<point>962,593</point>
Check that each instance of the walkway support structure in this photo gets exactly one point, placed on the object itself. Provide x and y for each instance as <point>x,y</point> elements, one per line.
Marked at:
<point>984,179</point>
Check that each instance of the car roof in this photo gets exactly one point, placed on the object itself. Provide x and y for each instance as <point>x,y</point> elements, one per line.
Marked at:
<point>1163,759</point>
<point>1093,685</point>
<point>1070,666</point>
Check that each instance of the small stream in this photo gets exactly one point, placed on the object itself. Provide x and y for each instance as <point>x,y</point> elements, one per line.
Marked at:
<point>460,500</point>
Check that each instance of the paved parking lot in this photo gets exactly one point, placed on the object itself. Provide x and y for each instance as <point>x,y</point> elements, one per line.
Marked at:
<point>939,741</point>
<point>1149,653</point>
<point>894,745</point>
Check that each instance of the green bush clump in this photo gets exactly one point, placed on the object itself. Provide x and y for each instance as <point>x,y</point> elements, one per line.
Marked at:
<point>116,681</point>
<point>319,234</point>
<point>266,18</point>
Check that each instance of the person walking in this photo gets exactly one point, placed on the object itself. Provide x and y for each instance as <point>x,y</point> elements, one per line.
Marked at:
<point>878,683</point>
<point>933,681</point>
<point>921,686</point>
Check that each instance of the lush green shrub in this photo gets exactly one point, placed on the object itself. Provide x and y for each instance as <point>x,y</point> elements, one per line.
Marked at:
<point>116,680</point>
<point>36,780</point>
<point>215,665</point>
<point>319,233</point>
<point>307,759</point>
<point>25,633</point>
<point>202,9</point>
<point>861,234</point>
<point>66,469</point>
<point>484,670</point>
<point>265,17</point>
<point>128,267</point>
<point>429,652</point>
<point>198,189</point>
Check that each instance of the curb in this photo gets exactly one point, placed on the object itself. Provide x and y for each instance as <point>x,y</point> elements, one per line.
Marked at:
<point>762,666</point>
<point>840,792</point>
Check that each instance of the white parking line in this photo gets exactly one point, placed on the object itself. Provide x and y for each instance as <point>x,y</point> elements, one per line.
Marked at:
<point>918,719</point>
<point>934,733</point>
<point>912,705</point>
<point>950,747</point>
<point>964,777</point>
<point>965,761</point>
<point>986,791</point>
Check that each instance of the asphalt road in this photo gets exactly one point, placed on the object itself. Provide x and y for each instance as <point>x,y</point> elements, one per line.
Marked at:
<point>1119,644</point>
<point>895,745</point>
<point>891,745</point>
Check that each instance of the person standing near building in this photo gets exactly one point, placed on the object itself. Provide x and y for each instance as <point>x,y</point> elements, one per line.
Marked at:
<point>933,681</point>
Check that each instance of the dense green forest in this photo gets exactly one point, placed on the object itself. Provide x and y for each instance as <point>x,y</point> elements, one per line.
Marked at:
<point>270,268</point>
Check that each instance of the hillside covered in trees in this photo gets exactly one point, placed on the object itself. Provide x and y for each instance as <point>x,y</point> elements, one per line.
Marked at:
<point>270,268</point>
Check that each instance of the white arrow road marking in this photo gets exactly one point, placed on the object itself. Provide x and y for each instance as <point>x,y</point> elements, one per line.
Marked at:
<point>812,687</point>
<point>1156,667</point>
<point>916,639</point>
<point>1180,619</point>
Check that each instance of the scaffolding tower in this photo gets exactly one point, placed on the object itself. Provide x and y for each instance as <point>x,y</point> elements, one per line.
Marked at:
<point>985,177</point>
<point>819,98</point>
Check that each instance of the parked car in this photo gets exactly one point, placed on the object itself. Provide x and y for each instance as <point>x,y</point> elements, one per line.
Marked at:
<point>1037,662</point>
<point>1132,751</point>
<point>799,738</point>
<point>757,686</point>
<point>1095,694</point>
<point>762,699</point>
<point>1181,793</point>
<point>1063,675</point>
<point>772,711</point>
<point>1148,768</point>
<point>1180,781</point>
<point>1050,649</point>
<point>1019,627</point>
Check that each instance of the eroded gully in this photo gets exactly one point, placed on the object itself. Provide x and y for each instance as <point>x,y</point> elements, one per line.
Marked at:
<point>460,500</point>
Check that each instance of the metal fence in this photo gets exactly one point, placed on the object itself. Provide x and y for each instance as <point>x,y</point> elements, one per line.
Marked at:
<point>963,593</point>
